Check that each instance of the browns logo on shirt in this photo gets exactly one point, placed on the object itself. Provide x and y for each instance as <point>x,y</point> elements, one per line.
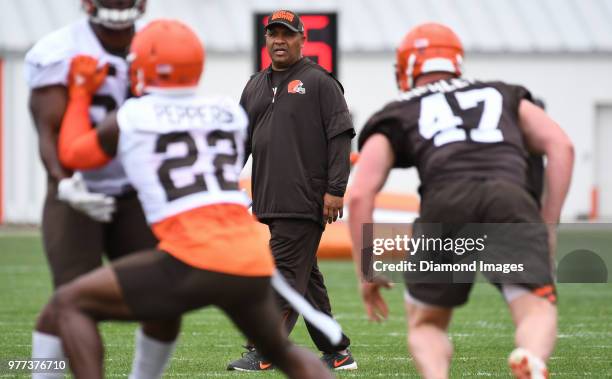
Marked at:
<point>296,86</point>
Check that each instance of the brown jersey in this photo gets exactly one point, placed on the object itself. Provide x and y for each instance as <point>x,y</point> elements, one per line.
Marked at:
<point>456,128</point>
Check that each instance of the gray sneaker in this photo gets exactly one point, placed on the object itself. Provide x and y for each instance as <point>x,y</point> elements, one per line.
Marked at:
<point>251,361</point>
<point>337,361</point>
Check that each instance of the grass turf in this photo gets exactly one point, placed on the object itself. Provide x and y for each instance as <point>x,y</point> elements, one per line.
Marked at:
<point>481,331</point>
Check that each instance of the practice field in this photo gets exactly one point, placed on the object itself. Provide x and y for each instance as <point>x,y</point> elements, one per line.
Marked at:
<point>481,331</point>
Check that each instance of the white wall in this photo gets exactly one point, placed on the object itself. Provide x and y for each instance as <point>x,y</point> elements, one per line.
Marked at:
<point>570,85</point>
<point>24,178</point>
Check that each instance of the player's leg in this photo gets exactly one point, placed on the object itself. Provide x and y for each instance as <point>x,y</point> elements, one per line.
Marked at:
<point>73,246</point>
<point>79,306</point>
<point>179,287</point>
<point>154,340</point>
<point>430,298</point>
<point>153,347</point>
<point>535,317</point>
<point>536,324</point>
<point>428,340</point>
<point>251,305</point>
<point>533,304</point>
<point>136,287</point>
<point>73,242</point>
<point>429,308</point>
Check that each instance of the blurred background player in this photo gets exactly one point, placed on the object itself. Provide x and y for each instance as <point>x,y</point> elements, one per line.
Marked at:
<point>470,142</point>
<point>183,153</point>
<point>300,135</point>
<point>95,212</point>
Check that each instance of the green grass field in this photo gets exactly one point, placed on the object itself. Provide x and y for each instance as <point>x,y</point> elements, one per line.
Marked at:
<point>482,332</point>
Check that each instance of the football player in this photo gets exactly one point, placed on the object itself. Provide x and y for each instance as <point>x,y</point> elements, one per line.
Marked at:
<point>183,153</point>
<point>470,141</point>
<point>94,212</point>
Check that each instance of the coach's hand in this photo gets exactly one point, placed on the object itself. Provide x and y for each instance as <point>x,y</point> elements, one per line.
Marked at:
<point>332,207</point>
<point>85,76</point>
<point>375,305</point>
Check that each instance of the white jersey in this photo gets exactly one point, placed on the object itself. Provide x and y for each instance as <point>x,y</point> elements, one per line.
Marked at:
<point>182,151</point>
<point>48,63</point>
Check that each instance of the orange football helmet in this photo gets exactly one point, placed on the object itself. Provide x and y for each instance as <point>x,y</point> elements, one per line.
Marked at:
<point>165,54</point>
<point>429,47</point>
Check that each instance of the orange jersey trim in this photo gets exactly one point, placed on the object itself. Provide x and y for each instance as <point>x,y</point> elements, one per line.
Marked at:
<point>222,238</point>
<point>78,144</point>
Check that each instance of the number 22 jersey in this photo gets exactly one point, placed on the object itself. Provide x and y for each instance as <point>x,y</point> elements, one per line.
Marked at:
<point>181,152</point>
<point>456,128</point>
<point>184,154</point>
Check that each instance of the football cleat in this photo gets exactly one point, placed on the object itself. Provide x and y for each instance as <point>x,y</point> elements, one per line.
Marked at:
<point>339,361</point>
<point>251,361</point>
<point>525,365</point>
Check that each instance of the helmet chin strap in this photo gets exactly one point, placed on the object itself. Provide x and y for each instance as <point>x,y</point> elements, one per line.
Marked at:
<point>116,19</point>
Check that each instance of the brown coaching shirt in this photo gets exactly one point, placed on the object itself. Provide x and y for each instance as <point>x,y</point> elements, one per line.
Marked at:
<point>299,135</point>
<point>456,128</point>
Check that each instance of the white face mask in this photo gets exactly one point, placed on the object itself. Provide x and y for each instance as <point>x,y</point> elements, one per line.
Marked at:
<point>116,18</point>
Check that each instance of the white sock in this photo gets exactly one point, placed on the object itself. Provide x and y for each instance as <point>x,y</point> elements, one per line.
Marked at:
<point>47,346</point>
<point>150,357</point>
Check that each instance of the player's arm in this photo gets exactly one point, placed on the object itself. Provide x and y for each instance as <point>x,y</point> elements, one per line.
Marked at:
<point>544,136</point>
<point>375,162</point>
<point>47,106</point>
<point>80,145</point>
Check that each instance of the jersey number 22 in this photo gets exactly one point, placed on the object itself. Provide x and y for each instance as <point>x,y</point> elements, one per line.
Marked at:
<point>198,184</point>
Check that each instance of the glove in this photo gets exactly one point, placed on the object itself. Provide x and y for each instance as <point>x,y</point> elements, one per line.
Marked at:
<point>98,206</point>
<point>85,77</point>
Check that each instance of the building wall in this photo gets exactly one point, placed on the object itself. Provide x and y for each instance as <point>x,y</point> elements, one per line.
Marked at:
<point>571,85</point>
<point>24,179</point>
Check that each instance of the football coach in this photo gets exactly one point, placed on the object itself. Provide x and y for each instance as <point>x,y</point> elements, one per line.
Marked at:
<point>300,135</point>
